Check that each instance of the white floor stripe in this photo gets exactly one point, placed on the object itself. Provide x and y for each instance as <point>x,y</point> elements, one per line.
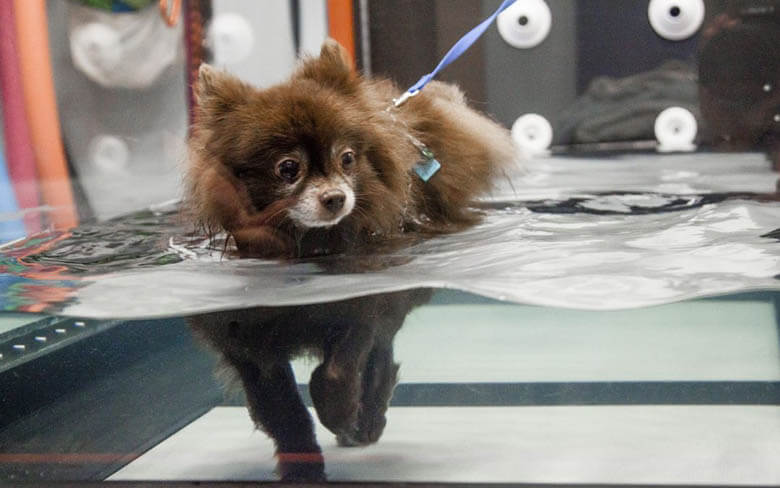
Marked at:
<point>636,444</point>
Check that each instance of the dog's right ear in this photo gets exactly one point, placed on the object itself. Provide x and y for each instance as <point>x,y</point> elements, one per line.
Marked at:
<point>218,92</point>
<point>335,56</point>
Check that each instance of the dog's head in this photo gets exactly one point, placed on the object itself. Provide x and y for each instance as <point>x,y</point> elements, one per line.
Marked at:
<point>311,141</point>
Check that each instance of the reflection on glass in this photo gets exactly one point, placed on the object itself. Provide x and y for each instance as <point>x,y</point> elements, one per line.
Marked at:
<point>739,75</point>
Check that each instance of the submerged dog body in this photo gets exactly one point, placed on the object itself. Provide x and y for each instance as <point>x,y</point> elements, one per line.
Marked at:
<point>350,389</point>
<point>322,164</point>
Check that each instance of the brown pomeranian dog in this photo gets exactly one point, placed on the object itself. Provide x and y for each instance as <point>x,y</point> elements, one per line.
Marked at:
<point>323,163</point>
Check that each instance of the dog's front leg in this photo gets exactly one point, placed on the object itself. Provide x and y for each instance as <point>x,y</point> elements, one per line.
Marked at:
<point>276,408</point>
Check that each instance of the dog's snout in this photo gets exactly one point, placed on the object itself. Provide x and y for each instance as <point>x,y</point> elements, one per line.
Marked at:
<point>322,204</point>
<point>333,200</point>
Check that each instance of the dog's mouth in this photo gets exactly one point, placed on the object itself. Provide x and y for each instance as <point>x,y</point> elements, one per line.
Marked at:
<point>314,223</point>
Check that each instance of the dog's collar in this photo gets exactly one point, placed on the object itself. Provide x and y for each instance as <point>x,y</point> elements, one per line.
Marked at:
<point>428,165</point>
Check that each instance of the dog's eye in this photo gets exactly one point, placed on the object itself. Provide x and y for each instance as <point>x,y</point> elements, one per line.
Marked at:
<point>288,170</point>
<point>347,159</point>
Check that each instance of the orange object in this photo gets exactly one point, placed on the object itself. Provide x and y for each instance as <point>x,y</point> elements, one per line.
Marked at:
<point>41,107</point>
<point>341,24</point>
<point>170,14</point>
<point>65,458</point>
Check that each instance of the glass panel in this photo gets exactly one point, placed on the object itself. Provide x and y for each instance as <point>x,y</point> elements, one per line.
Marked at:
<point>223,275</point>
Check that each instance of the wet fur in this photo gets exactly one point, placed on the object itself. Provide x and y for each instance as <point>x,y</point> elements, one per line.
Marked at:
<point>241,130</point>
<point>350,389</point>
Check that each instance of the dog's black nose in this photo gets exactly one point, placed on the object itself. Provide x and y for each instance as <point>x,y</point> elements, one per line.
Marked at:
<point>333,200</point>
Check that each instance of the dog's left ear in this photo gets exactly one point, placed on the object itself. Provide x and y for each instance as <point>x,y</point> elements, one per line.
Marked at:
<point>332,68</point>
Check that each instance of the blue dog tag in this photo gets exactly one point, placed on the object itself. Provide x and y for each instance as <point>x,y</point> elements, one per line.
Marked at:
<point>427,168</point>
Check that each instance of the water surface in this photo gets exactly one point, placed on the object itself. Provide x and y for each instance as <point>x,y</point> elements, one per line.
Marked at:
<point>587,234</point>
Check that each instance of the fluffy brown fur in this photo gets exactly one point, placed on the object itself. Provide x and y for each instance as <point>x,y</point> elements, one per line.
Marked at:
<point>324,111</point>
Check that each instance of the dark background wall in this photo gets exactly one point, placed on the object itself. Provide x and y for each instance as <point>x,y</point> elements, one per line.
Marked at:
<point>589,38</point>
<point>614,38</point>
<point>408,37</point>
<point>539,80</point>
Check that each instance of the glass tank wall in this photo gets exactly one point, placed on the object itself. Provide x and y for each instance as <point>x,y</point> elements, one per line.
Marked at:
<point>610,315</point>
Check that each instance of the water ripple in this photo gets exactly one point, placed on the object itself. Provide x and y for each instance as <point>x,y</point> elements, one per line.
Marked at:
<point>599,251</point>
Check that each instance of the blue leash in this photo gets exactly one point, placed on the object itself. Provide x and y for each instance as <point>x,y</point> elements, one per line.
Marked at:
<point>454,53</point>
<point>429,165</point>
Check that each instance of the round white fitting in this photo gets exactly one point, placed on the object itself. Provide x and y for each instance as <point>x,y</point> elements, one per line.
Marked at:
<point>109,154</point>
<point>675,130</point>
<point>525,23</point>
<point>676,19</point>
<point>96,47</point>
<point>231,38</point>
<point>533,133</point>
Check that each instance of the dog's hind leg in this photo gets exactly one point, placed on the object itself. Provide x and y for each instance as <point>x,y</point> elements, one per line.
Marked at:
<point>379,378</point>
<point>372,354</point>
<point>336,385</point>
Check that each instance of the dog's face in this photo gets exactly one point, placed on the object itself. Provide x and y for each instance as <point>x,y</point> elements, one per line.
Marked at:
<point>323,185</point>
<point>301,146</point>
<point>309,141</point>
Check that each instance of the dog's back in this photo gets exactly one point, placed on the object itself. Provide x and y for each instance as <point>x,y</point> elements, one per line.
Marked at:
<point>472,149</point>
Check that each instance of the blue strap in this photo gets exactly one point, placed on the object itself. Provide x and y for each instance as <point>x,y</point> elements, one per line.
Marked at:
<point>459,48</point>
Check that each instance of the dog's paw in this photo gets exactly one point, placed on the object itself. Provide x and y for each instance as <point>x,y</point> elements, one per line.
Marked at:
<point>299,467</point>
<point>336,400</point>
<point>377,389</point>
<point>368,429</point>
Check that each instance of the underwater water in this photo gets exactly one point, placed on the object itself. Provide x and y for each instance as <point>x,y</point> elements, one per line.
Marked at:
<point>610,320</point>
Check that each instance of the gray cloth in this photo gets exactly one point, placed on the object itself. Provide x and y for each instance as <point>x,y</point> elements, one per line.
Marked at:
<point>625,109</point>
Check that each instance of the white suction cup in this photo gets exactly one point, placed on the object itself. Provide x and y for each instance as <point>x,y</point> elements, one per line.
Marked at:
<point>675,130</point>
<point>525,23</point>
<point>231,38</point>
<point>676,19</point>
<point>109,154</point>
<point>533,133</point>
